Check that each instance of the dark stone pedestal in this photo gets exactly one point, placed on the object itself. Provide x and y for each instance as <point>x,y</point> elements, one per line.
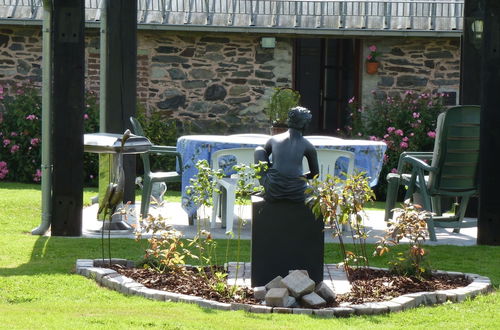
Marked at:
<point>285,236</point>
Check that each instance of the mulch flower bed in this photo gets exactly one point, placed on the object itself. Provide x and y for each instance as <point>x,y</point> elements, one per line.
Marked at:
<point>368,285</point>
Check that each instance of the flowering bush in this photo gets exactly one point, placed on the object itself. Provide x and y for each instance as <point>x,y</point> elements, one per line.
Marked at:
<point>20,134</point>
<point>404,123</point>
<point>372,56</point>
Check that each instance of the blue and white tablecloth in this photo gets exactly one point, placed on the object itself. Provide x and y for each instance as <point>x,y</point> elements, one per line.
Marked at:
<point>369,154</point>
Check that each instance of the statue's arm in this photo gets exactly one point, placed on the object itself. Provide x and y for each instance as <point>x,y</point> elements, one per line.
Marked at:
<point>261,154</point>
<point>312,161</point>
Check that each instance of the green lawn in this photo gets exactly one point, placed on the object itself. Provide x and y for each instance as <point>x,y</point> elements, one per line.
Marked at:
<point>38,288</point>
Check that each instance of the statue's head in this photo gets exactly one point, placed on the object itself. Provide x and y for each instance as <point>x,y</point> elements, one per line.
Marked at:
<point>299,118</point>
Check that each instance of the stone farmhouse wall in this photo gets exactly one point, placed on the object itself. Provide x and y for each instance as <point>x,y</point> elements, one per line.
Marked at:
<point>220,83</point>
<point>419,64</point>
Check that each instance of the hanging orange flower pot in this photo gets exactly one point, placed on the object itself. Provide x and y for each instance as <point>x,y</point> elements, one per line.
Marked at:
<point>372,67</point>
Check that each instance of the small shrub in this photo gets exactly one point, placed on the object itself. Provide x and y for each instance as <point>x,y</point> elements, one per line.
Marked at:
<point>280,102</point>
<point>160,131</point>
<point>165,250</point>
<point>410,223</point>
<point>403,123</point>
<point>341,202</point>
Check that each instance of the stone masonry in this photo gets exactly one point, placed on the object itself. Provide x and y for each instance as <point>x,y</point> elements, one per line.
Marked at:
<point>220,82</point>
<point>418,64</point>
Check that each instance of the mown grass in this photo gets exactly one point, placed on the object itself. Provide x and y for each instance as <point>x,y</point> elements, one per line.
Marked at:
<point>38,288</point>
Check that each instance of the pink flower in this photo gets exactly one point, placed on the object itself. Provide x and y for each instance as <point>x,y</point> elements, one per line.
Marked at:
<point>405,139</point>
<point>85,116</point>
<point>37,176</point>
<point>372,48</point>
<point>386,158</point>
<point>14,148</point>
<point>359,134</point>
<point>416,114</point>
<point>35,141</point>
<point>351,100</point>
<point>13,134</point>
<point>369,57</point>
<point>399,132</point>
<point>390,129</point>
<point>6,142</point>
<point>31,117</point>
<point>403,145</point>
<point>412,134</point>
<point>431,134</point>
<point>373,138</point>
<point>3,170</point>
<point>386,136</point>
<point>394,170</point>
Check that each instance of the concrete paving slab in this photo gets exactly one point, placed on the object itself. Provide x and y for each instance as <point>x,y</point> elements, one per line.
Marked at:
<point>175,215</point>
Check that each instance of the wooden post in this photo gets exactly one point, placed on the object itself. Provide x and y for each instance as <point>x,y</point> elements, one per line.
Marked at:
<point>118,76</point>
<point>470,68</point>
<point>489,207</point>
<point>68,97</point>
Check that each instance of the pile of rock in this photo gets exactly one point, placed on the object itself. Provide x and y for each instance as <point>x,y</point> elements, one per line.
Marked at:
<point>295,290</point>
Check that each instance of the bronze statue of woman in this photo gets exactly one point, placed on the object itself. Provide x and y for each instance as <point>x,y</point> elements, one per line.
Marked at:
<point>285,179</point>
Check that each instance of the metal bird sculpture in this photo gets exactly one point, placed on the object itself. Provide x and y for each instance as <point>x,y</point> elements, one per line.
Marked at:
<point>114,194</point>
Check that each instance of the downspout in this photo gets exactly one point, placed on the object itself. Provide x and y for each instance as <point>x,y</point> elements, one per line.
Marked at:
<point>46,121</point>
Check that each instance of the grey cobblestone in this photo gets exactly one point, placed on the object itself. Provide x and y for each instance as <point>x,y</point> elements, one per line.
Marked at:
<point>302,311</point>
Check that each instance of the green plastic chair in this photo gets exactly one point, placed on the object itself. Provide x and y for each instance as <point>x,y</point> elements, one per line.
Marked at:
<point>452,171</point>
<point>152,177</point>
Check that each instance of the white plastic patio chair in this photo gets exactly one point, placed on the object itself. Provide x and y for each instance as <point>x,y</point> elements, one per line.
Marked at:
<point>228,185</point>
<point>327,159</point>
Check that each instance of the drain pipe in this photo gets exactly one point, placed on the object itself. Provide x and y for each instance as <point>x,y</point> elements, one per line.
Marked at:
<point>46,121</point>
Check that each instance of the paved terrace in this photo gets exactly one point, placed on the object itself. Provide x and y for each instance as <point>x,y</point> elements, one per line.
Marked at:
<point>174,214</point>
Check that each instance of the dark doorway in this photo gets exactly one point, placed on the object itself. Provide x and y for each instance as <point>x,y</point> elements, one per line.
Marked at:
<point>326,75</point>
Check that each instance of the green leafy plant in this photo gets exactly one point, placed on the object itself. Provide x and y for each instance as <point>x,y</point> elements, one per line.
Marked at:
<point>280,102</point>
<point>410,223</point>
<point>203,185</point>
<point>160,130</point>
<point>165,250</point>
<point>340,202</point>
<point>372,56</point>
<point>403,123</point>
<point>21,136</point>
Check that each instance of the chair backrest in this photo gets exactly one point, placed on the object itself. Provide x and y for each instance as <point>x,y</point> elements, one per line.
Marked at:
<point>242,155</point>
<point>456,150</point>
<point>327,161</point>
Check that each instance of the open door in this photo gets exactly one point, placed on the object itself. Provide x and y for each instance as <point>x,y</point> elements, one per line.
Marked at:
<point>327,76</point>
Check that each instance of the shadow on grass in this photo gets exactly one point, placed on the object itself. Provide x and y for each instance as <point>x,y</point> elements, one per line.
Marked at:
<point>58,255</point>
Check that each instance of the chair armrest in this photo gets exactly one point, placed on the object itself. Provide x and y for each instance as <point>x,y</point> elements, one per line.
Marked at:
<point>168,150</point>
<point>416,162</point>
<point>413,154</point>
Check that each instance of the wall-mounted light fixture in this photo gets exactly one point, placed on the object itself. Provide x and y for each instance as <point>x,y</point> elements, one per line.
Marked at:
<point>477,28</point>
<point>268,42</point>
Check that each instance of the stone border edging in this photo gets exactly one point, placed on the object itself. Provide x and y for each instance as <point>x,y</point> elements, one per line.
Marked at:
<point>113,280</point>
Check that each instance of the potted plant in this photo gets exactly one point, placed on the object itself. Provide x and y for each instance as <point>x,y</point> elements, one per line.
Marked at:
<point>277,109</point>
<point>371,60</point>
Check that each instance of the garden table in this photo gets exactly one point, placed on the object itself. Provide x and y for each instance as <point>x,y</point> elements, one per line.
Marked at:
<point>369,154</point>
